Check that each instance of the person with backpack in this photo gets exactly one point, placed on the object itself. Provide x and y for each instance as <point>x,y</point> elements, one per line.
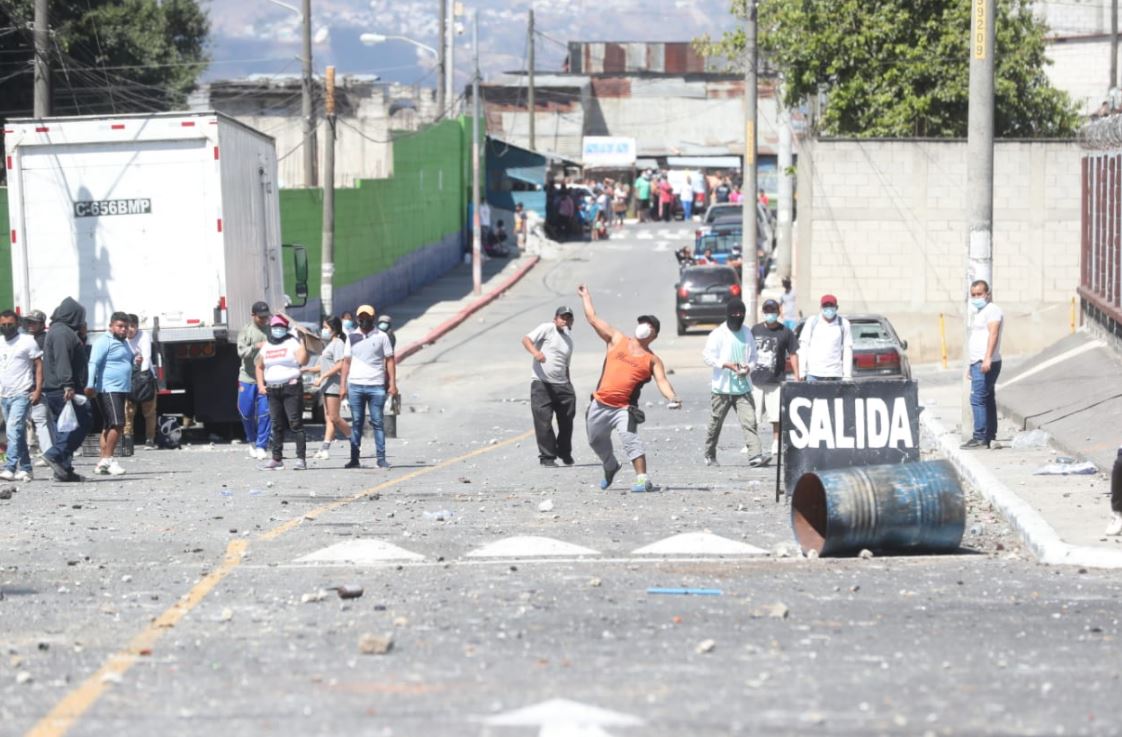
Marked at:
<point>826,345</point>
<point>144,389</point>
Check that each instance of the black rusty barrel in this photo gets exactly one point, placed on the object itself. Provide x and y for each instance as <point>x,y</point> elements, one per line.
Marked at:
<point>907,507</point>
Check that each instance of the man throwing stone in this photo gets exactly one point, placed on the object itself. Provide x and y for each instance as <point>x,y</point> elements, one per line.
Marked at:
<point>629,365</point>
<point>551,390</point>
<point>730,351</point>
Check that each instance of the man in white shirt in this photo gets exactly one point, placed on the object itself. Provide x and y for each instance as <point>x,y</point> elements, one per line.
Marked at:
<point>986,324</point>
<point>369,376</point>
<point>826,345</point>
<point>141,344</point>
<point>730,351</point>
<point>21,385</point>
<point>551,390</point>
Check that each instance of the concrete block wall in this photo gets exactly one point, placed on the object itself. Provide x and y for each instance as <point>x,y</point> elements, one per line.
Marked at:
<point>882,224</point>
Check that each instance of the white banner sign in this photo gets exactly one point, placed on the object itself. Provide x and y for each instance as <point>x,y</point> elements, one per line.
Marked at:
<point>608,152</point>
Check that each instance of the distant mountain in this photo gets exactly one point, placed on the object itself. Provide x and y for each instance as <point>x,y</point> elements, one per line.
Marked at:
<point>260,37</point>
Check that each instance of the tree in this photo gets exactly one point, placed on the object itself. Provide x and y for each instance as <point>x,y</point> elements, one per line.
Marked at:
<point>106,56</point>
<point>898,68</point>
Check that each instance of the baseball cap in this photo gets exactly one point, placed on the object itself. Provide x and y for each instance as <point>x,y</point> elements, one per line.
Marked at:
<point>563,310</point>
<point>828,299</point>
<point>650,320</point>
<point>365,310</point>
<point>36,316</point>
<point>260,308</point>
<point>771,305</point>
<point>736,307</point>
<point>278,320</point>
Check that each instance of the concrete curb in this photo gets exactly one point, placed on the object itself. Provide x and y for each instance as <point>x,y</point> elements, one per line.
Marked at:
<point>1034,531</point>
<point>456,320</point>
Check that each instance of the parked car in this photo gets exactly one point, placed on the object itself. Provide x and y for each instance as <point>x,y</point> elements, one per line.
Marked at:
<point>703,294</point>
<point>878,352</point>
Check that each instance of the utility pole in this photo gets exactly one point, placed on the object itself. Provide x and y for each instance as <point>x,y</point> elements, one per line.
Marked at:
<point>450,60</point>
<point>786,191</point>
<point>476,232</point>
<point>307,110</point>
<point>327,262</point>
<point>979,175</point>
<point>42,103</point>
<point>751,267</point>
<point>530,91</point>
<point>441,59</point>
<point>1113,45</point>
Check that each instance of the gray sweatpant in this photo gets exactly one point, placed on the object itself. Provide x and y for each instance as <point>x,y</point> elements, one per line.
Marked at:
<point>600,420</point>
<point>745,412</point>
<point>42,423</point>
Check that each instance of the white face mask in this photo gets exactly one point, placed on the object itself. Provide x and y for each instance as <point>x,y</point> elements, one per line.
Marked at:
<point>643,331</point>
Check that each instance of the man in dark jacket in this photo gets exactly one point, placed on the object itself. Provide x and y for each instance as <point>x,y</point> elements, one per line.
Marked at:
<point>65,374</point>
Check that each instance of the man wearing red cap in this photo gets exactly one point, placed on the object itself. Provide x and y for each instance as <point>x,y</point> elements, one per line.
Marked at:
<point>826,345</point>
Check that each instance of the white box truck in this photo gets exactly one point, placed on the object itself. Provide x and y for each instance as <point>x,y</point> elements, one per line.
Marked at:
<point>174,217</point>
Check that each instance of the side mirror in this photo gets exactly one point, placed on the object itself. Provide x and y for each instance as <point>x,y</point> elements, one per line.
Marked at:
<point>299,274</point>
<point>904,344</point>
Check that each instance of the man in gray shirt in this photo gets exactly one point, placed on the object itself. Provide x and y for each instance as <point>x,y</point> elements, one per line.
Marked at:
<point>551,391</point>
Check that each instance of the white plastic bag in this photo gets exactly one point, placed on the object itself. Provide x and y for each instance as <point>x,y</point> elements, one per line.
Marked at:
<point>68,419</point>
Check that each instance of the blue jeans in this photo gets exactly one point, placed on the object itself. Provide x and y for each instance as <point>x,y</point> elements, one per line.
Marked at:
<point>254,409</point>
<point>15,414</point>
<point>361,397</point>
<point>983,400</point>
<point>62,452</point>
<point>687,209</point>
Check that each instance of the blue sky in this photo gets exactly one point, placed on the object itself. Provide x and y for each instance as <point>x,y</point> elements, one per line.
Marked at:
<point>259,37</point>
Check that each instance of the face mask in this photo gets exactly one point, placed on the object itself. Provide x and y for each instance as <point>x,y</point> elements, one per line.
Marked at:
<point>348,325</point>
<point>279,332</point>
<point>771,317</point>
<point>366,325</point>
<point>383,326</point>
<point>829,312</point>
<point>736,322</point>
<point>326,333</point>
<point>978,302</point>
<point>9,331</point>
<point>643,331</point>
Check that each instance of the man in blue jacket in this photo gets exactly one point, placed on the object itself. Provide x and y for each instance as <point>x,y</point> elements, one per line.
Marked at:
<point>110,376</point>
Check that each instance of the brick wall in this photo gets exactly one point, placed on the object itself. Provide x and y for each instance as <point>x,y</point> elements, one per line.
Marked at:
<point>882,224</point>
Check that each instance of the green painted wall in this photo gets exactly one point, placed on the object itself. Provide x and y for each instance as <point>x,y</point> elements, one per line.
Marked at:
<point>380,220</point>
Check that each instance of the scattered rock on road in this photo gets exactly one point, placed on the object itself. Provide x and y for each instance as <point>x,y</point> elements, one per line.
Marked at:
<point>778,610</point>
<point>370,644</point>
<point>546,506</point>
<point>706,646</point>
<point>865,554</point>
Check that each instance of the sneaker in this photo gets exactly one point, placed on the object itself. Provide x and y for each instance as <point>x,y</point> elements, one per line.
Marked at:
<point>23,476</point>
<point>6,475</point>
<point>642,484</point>
<point>756,461</point>
<point>102,468</point>
<point>974,443</point>
<point>1115,526</point>
<point>548,462</point>
<point>321,455</point>
<point>149,445</point>
<point>383,464</point>
<point>353,463</point>
<point>68,477</point>
<point>40,463</point>
<point>609,474</point>
<point>59,470</point>
<point>114,469</point>
<point>711,461</point>
<point>765,459</point>
<point>273,465</point>
<point>567,460</point>
<point>299,465</point>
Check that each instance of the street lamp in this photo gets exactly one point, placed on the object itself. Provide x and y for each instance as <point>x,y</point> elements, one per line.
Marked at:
<point>306,112</point>
<point>371,39</point>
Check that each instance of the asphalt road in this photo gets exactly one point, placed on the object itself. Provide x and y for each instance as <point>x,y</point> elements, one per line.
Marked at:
<point>186,597</point>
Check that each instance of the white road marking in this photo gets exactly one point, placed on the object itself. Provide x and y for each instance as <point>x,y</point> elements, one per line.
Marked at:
<point>699,543</point>
<point>644,236</point>
<point>564,718</point>
<point>1054,361</point>
<point>662,247</point>
<point>526,546</point>
<point>360,552</point>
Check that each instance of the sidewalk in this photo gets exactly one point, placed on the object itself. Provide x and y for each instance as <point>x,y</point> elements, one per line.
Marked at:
<point>1060,518</point>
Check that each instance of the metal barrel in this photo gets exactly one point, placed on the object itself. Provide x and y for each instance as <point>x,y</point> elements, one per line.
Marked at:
<point>907,507</point>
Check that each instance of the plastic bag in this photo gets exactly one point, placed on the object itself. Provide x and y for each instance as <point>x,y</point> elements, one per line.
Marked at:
<point>1067,469</point>
<point>1031,439</point>
<point>67,419</point>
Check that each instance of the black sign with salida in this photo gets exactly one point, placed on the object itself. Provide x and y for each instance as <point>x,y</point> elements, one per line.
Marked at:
<point>97,208</point>
<point>841,424</point>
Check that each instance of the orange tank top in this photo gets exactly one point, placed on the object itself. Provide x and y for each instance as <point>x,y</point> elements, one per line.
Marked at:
<point>624,373</point>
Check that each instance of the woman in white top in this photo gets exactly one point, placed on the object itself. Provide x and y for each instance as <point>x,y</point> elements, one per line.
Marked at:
<point>279,364</point>
<point>329,369</point>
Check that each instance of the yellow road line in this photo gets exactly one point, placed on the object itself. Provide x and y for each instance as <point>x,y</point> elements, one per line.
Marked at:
<point>66,712</point>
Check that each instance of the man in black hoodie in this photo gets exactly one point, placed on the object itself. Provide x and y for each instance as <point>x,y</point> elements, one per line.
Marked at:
<point>65,371</point>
